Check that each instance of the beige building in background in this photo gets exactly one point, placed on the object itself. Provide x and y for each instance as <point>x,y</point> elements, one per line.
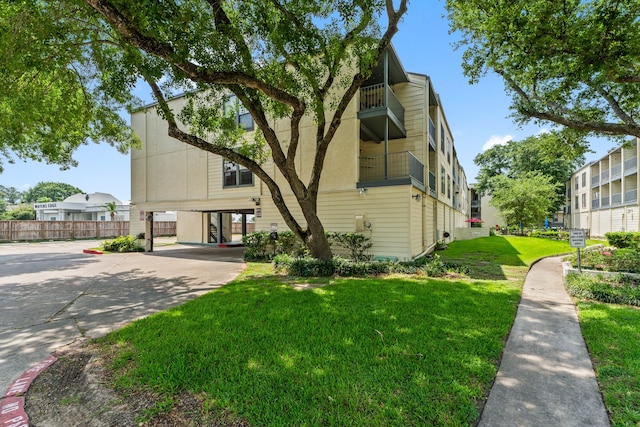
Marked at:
<point>391,172</point>
<point>603,195</point>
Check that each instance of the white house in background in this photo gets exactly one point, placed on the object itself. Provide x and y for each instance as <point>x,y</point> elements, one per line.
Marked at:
<point>82,207</point>
<point>602,196</point>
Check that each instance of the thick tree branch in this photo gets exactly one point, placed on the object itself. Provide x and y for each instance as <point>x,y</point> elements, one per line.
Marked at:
<point>197,73</point>
<point>174,131</point>
<point>528,109</point>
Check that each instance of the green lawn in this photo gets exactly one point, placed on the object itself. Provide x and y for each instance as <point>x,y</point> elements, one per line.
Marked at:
<point>612,333</point>
<point>396,350</point>
<point>501,257</point>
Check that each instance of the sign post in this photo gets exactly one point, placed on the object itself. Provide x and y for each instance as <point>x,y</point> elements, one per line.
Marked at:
<point>577,240</point>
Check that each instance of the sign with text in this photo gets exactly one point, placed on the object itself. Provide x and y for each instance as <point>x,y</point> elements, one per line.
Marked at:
<point>577,239</point>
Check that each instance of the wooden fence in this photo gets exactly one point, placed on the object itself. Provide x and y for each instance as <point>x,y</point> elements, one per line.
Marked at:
<point>65,230</point>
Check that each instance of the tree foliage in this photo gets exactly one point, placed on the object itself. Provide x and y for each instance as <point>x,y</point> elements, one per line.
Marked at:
<point>51,94</point>
<point>573,62</point>
<point>279,59</point>
<point>555,155</point>
<point>21,213</point>
<point>10,194</point>
<point>49,191</point>
<point>524,200</point>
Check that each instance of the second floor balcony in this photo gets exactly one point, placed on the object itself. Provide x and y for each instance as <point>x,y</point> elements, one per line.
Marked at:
<point>378,102</point>
<point>402,168</point>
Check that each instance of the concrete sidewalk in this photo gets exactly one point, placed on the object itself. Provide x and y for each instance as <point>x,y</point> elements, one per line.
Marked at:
<point>546,377</point>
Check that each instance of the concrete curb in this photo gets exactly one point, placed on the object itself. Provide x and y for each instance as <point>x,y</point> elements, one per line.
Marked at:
<point>12,413</point>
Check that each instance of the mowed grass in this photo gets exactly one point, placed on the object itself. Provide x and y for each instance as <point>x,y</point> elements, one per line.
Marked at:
<point>358,352</point>
<point>502,257</point>
<point>612,333</point>
<point>390,351</point>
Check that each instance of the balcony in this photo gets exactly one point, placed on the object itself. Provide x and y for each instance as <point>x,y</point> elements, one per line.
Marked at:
<point>401,168</point>
<point>631,166</point>
<point>595,181</point>
<point>605,202</point>
<point>616,199</point>
<point>433,189</point>
<point>373,108</point>
<point>631,196</point>
<point>595,204</point>
<point>616,172</point>
<point>604,177</point>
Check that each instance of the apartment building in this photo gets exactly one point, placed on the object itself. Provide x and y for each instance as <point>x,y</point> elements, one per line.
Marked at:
<point>602,196</point>
<point>391,173</point>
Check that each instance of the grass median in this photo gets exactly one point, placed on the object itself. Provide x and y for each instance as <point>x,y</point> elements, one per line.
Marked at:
<point>273,350</point>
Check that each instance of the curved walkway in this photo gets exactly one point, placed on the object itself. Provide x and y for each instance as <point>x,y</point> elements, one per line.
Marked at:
<point>545,377</point>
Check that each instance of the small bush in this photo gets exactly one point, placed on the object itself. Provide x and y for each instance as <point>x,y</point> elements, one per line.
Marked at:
<point>614,290</point>
<point>550,234</point>
<point>357,245</point>
<point>623,239</point>
<point>122,244</point>
<point>607,259</point>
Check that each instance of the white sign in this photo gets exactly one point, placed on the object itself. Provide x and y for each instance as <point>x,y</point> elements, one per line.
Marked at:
<point>577,239</point>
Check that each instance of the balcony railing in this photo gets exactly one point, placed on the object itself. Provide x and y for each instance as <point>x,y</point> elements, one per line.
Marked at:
<point>604,177</point>
<point>616,199</point>
<point>631,196</point>
<point>616,171</point>
<point>373,97</point>
<point>631,166</point>
<point>605,202</point>
<point>595,181</point>
<point>595,204</point>
<point>393,169</point>
<point>433,189</point>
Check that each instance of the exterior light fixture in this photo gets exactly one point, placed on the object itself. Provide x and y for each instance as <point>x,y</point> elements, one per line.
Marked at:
<point>418,197</point>
<point>362,191</point>
<point>255,200</point>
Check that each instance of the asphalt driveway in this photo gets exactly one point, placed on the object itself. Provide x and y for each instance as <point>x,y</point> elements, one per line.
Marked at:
<point>52,294</point>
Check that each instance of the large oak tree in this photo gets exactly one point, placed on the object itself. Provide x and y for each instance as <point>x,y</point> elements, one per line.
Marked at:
<point>283,59</point>
<point>571,62</point>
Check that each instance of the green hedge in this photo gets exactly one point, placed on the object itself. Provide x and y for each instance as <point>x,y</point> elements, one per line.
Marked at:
<point>122,244</point>
<point>550,234</point>
<point>614,290</point>
<point>623,239</point>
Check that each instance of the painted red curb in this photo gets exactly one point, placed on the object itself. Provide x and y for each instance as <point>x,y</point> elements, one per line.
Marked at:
<point>92,251</point>
<point>12,412</point>
<point>230,245</point>
<point>23,382</point>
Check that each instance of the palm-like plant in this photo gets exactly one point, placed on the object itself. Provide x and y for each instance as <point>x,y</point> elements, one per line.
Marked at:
<point>112,208</point>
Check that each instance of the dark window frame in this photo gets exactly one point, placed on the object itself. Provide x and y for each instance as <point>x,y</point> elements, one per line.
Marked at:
<point>238,171</point>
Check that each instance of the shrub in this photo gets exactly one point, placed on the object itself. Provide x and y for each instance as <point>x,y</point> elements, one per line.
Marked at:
<point>357,245</point>
<point>550,234</point>
<point>122,244</point>
<point>614,290</point>
<point>626,260</point>
<point>623,239</point>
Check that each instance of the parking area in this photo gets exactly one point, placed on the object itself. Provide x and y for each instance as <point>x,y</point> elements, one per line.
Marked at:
<point>53,294</point>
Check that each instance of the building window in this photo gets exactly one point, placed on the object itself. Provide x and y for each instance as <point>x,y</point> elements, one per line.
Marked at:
<point>442,138</point>
<point>584,201</point>
<point>442,184</point>
<point>243,117</point>
<point>448,186</point>
<point>448,151</point>
<point>577,183</point>
<point>236,175</point>
<point>53,218</point>
<point>577,202</point>
<point>584,179</point>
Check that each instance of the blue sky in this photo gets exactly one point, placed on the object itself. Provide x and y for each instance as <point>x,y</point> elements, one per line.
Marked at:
<point>477,114</point>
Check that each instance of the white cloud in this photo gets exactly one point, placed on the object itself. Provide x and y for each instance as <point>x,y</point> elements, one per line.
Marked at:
<point>497,140</point>
<point>543,131</point>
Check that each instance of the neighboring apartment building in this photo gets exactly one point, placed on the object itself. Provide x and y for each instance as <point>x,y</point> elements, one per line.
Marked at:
<point>405,191</point>
<point>603,195</point>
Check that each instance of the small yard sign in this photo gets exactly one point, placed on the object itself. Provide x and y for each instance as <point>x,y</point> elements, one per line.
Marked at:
<point>577,239</point>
